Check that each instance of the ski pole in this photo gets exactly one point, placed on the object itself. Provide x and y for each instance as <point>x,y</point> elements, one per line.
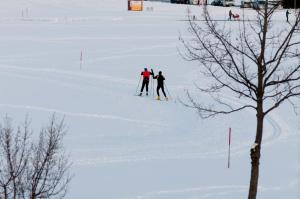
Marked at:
<point>150,85</point>
<point>152,77</point>
<point>138,85</point>
<point>168,90</point>
<point>153,89</point>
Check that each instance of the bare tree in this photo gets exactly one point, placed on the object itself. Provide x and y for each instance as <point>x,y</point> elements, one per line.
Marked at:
<point>258,63</point>
<point>14,154</point>
<point>31,169</point>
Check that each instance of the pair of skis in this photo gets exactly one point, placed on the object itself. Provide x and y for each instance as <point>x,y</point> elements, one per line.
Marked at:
<point>161,99</point>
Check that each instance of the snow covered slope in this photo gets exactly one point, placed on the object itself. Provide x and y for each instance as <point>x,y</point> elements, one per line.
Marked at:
<point>124,146</point>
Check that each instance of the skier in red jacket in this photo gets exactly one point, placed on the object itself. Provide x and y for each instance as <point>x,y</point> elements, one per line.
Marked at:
<point>146,78</point>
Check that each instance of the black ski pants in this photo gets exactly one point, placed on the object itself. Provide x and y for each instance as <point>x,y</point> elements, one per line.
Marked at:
<point>145,83</point>
<point>162,88</point>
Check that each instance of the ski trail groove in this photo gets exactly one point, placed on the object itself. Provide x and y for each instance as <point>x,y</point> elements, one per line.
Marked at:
<point>79,114</point>
<point>65,73</point>
<point>277,127</point>
<point>205,191</point>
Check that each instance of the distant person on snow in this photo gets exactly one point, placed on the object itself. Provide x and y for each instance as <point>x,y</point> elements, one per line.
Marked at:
<point>230,14</point>
<point>287,15</point>
<point>160,84</point>
<point>146,76</point>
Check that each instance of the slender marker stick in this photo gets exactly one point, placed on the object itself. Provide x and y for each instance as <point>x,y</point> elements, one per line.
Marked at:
<point>229,143</point>
<point>80,60</point>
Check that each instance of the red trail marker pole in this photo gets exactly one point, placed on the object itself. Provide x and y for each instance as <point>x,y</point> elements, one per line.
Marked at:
<point>80,60</point>
<point>229,143</point>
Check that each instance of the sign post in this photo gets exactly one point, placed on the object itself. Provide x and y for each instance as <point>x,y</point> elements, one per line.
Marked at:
<point>135,5</point>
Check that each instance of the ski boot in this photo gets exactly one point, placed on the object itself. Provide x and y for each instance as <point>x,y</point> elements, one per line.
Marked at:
<point>158,98</point>
<point>140,94</point>
<point>147,93</point>
<point>167,98</point>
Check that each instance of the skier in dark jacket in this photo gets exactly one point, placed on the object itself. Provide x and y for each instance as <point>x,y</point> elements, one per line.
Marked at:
<point>160,84</point>
<point>146,76</point>
<point>230,14</point>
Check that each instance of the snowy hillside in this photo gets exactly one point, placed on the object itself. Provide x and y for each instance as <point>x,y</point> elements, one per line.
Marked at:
<point>123,146</point>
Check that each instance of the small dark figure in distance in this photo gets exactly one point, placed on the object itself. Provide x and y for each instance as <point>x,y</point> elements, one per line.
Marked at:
<point>230,14</point>
<point>160,84</point>
<point>287,15</point>
<point>146,76</point>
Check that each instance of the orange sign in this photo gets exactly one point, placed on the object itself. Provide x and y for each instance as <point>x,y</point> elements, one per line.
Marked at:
<point>135,5</point>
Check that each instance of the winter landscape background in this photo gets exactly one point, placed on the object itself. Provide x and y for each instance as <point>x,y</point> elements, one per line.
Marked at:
<point>128,147</point>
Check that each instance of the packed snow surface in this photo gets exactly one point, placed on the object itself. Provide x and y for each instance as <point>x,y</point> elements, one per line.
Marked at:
<point>123,146</point>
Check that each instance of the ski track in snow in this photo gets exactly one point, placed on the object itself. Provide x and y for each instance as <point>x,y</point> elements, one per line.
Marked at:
<point>133,55</point>
<point>58,20</point>
<point>81,84</point>
<point>276,123</point>
<point>276,135</point>
<point>68,78</point>
<point>105,38</point>
<point>276,132</point>
<point>65,76</point>
<point>149,157</point>
<point>78,114</point>
<point>203,192</point>
<point>217,154</point>
<point>69,74</point>
<point>113,54</point>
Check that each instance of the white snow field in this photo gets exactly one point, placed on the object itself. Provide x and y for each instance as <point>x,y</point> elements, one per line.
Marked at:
<point>123,146</point>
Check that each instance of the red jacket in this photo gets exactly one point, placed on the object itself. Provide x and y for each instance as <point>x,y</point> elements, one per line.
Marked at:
<point>146,75</point>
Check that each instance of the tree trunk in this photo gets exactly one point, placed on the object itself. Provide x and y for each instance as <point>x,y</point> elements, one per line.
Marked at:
<point>255,154</point>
